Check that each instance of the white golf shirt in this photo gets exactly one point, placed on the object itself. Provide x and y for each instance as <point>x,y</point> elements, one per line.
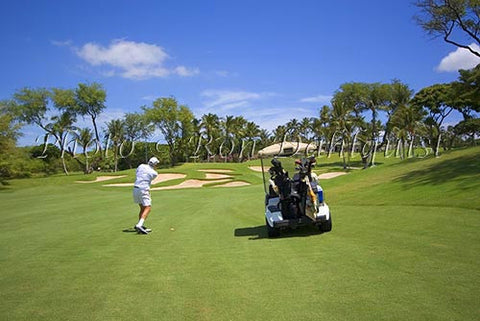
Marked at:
<point>145,175</point>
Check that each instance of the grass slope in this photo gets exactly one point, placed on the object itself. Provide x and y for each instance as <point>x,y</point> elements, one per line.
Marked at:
<point>404,246</point>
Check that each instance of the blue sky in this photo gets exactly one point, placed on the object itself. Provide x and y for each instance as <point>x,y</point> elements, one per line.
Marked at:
<point>269,61</point>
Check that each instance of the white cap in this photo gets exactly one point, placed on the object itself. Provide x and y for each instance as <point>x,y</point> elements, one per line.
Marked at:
<point>153,161</point>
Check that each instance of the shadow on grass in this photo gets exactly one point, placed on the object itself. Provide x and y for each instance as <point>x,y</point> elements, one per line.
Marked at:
<point>464,169</point>
<point>260,232</point>
<point>4,185</point>
<point>254,233</point>
<point>131,230</point>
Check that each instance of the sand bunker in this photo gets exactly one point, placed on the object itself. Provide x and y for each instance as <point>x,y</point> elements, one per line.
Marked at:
<point>160,178</point>
<point>258,168</point>
<point>167,177</point>
<point>101,179</point>
<point>233,184</point>
<point>216,176</point>
<point>216,170</point>
<point>190,183</point>
<point>212,176</point>
<point>330,175</point>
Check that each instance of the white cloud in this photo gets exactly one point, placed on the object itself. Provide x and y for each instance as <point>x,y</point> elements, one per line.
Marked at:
<point>186,72</point>
<point>317,99</point>
<point>133,60</point>
<point>459,59</point>
<point>123,54</point>
<point>234,105</point>
<point>254,106</point>
<point>222,98</point>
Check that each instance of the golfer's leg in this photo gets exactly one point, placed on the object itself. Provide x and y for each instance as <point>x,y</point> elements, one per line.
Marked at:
<point>145,210</point>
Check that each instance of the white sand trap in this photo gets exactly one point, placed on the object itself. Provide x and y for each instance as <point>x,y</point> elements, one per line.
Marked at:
<point>331,175</point>
<point>216,176</point>
<point>258,168</point>
<point>167,177</point>
<point>101,179</point>
<point>216,170</point>
<point>233,184</point>
<point>160,178</point>
<point>190,183</point>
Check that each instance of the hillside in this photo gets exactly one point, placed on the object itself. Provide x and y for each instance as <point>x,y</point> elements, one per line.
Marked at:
<point>452,180</point>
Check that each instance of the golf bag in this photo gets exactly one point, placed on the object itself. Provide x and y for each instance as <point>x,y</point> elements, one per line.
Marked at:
<point>292,192</point>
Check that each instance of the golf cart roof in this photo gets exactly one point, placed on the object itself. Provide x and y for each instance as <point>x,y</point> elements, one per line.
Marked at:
<point>287,149</point>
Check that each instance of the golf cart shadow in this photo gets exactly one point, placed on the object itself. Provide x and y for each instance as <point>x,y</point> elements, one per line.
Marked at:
<point>260,232</point>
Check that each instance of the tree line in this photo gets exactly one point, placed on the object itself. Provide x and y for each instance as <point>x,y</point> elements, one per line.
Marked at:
<point>362,117</point>
<point>410,119</point>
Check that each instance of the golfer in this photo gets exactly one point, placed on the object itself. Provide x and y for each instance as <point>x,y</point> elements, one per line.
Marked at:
<point>141,192</point>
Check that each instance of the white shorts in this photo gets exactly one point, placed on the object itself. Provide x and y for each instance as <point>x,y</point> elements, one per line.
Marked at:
<point>142,197</point>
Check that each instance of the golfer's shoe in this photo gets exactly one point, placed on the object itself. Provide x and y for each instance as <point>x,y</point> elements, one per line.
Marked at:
<point>144,227</point>
<point>141,230</point>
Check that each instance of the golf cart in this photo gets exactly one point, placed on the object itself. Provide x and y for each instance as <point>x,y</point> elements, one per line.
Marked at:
<point>297,201</point>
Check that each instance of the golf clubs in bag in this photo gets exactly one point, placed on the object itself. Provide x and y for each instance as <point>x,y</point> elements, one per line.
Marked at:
<point>295,201</point>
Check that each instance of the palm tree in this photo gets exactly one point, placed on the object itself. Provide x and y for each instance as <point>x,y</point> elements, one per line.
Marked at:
<point>265,138</point>
<point>116,133</point>
<point>322,129</point>
<point>399,96</point>
<point>60,128</point>
<point>227,127</point>
<point>405,123</point>
<point>279,133</point>
<point>305,128</point>
<point>293,128</point>
<point>195,141</point>
<point>344,122</point>
<point>238,128</point>
<point>318,133</point>
<point>227,124</point>
<point>211,130</point>
<point>252,131</point>
<point>84,138</point>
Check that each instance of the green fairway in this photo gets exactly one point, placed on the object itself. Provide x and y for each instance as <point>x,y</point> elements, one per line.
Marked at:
<point>405,245</point>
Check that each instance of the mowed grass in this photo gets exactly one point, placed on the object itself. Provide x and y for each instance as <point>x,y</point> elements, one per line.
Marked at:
<point>405,245</point>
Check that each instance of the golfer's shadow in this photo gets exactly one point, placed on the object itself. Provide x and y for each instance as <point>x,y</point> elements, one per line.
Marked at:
<point>129,230</point>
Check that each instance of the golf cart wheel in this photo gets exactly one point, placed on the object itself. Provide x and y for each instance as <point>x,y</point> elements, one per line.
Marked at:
<point>271,231</point>
<point>327,225</point>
